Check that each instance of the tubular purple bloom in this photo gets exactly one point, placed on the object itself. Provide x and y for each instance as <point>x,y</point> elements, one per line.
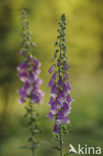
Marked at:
<point>66,76</point>
<point>65,107</point>
<point>53,109</point>
<point>36,62</point>
<point>59,104</point>
<point>35,98</point>
<point>56,129</point>
<point>37,71</point>
<point>51,69</point>
<point>51,116</point>
<point>27,87</point>
<point>38,82</point>
<point>68,85</point>
<point>51,83</point>
<point>23,76</point>
<point>58,63</point>
<point>51,101</point>
<point>60,115</point>
<point>65,88</point>
<point>54,76</point>
<point>65,120</point>
<point>23,66</point>
<point>60,94</point>
<point>54,90</point>
<point>68,98</point>
<point>60,83</point>
<point>66,66</point>
<point>23,95</point>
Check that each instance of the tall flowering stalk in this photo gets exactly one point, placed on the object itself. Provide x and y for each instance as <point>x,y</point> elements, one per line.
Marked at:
<point>60,100</point>
<point>28,72</point>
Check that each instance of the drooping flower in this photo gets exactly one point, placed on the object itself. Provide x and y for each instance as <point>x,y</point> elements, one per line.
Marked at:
<point>60,100</point>
<point>51,69</point>
<point>56,128</point>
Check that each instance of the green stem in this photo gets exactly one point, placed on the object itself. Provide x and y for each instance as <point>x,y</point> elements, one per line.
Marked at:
<point>60,132</point>
<point>33,152</point>
<point>33,149</point>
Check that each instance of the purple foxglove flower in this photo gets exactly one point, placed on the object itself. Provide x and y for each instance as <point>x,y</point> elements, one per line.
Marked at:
<point>51,69</point>
<point>23,76</point>
<point>65,107</point>
<point>58,104</point>
<point>36,62</point>
<point>54,90</point>
<point>66,113</point>
<point>27,87</point>
<point>21,100</point>
<point>68,98</point>
<point>60,94</point>
<point>66,76</point>
<point>54,76</point>
<point>65,120</point>
<point>60,115</point>
<point>35,68</point>
<point>22,92</point>
<point>51,116</point>
<point>58,63</point>
<point>61,98</point>
<point>53,109</point>
<point>32,77</point>
<point>37,71</point>
<point>40,93</point>
<point>38,82</point>
<point>23,66</point>
<point>56,129</point>
<point>60,83</point>
<point>51,101</point>
<point>35,98</point>
<point>68,85</point>
<point>65,88</point>
<point>66,67</point>
<point>23,95</point>
<point>51,83</point>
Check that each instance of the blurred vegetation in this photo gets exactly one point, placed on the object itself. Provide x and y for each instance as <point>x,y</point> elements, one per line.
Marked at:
<point>85,50</point>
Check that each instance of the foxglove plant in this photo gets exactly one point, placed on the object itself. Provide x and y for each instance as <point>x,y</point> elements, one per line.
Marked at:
<point>28,72</point>
<point>60,100</point>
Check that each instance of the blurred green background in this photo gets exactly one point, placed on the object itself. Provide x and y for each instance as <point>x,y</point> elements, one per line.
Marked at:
<point>85,49</point>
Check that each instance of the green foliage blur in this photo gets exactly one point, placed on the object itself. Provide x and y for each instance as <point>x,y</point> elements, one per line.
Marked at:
<point>84,35</point>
